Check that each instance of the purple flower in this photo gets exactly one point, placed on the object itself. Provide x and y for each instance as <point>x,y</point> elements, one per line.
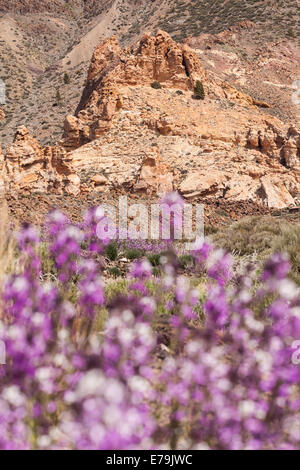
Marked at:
<point>141,270</point>
<point>276,268</point>
<point>160,365</point>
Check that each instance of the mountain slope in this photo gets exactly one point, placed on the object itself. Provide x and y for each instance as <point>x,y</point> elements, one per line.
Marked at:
<point>41,41</point>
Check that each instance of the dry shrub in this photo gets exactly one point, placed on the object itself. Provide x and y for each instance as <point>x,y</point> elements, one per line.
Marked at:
<point>262,235</point>
<point>249,235</point>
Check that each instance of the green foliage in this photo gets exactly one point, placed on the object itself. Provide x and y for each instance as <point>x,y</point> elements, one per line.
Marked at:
<point>67,79</point>
<point>112,251</point>
<point>199,93</point>
<point>186,261</point>
<point>156,85</point>
<point>156,271</point>
<point>114,272</point>
<point>154,259</point>
<point>289,242</point>
<point>84,245</point>
<point>133,253</point>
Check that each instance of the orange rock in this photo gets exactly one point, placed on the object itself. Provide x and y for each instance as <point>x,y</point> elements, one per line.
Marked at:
<point>277,196</point>
<point>155,176</point>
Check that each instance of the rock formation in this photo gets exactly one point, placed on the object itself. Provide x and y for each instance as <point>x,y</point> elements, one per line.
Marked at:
<point>130,135</point>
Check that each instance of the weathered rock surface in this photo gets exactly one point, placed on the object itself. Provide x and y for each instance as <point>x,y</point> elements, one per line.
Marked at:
<point>25,162</point>
<point>27,166</point>
<point>128,136</point>
<point>276,193</point>
<point>154,59</point>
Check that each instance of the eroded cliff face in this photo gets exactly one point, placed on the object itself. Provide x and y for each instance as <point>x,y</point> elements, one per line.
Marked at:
<point>128,136</point>
<point>154,59</point>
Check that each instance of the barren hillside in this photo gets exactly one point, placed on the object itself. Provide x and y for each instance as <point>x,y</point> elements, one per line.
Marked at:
<point>139,129</point>
<point>42,40</point>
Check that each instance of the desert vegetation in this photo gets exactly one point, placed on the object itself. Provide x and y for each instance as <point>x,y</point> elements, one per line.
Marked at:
<point>199,93</point>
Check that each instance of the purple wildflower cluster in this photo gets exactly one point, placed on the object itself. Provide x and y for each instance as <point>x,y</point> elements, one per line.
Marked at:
<point>221,375</point>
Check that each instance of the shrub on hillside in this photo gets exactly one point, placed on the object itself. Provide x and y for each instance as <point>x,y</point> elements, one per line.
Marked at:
<point>263,235</point>
<point>156,85</point>
<point>67,79</point>
<point>199,93</point>
<point>112,251</point>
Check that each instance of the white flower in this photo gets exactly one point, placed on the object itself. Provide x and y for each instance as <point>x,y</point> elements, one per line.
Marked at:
<point>13,395</point>
<point>91,383</point>
<point>247,407</point>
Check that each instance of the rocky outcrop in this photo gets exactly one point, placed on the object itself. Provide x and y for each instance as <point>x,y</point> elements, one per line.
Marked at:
<point>130,136</point>
<point>269,189</point>
<point>268,141</point>
<point>154,59</point>
<point>203,184</point>
<point>25,161</point>
<point>291,149</point>
<point>27,166</point>
<point>155,176</point>
<point>2,115</point>
<point>276,194</point>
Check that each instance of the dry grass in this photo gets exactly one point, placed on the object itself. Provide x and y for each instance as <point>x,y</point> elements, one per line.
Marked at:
<point>261,236</point>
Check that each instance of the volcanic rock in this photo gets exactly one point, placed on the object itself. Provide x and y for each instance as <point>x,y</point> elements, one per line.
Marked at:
<point>129,135</point>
